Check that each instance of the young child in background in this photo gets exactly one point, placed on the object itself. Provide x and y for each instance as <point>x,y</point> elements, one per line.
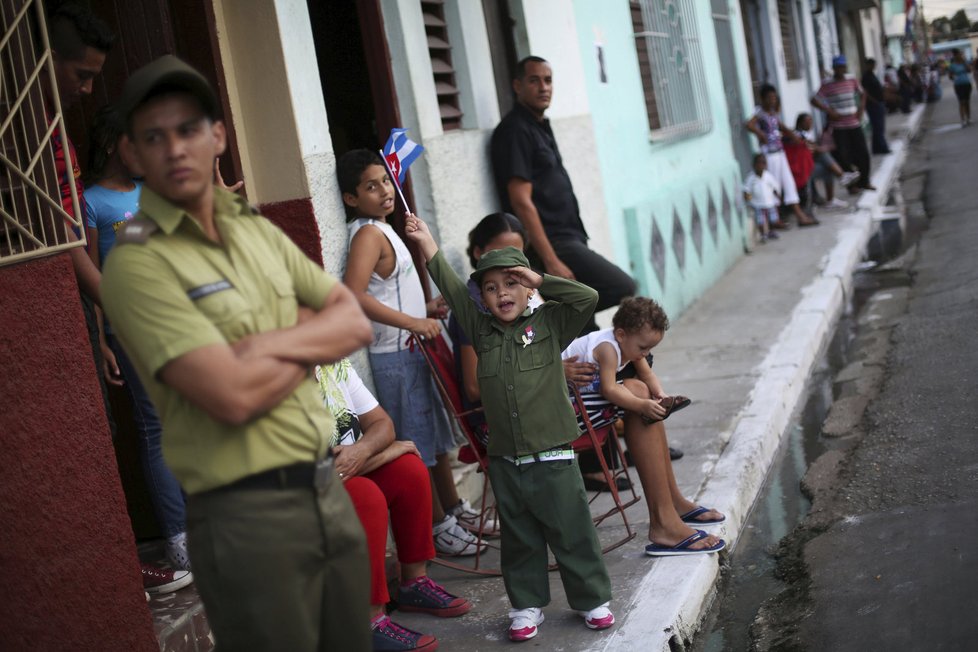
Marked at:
<point>538,488</point>
<point>761,189</point>
<point>639,326</point>
<point>112,200</point>
<point>381,273</point>
<point>826,167</point>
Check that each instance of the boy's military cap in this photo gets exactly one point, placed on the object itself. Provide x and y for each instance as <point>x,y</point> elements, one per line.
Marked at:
<point>170,72</point>
<point>505,257</point>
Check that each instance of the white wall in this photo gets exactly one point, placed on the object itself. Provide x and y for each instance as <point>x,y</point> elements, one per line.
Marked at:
<point>547,28</point>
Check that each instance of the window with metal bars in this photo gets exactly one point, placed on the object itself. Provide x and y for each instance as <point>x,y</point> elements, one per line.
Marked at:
<point>33,222</point>
<point>440,51</point>
<point>789,39</point>
<point>670,64</point>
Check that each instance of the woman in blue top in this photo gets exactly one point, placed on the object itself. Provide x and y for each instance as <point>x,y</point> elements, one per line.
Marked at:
<point>112,200</point>
<point>957,70</point>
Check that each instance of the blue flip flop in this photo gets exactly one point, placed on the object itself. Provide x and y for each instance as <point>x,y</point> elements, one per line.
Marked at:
<point>683,547</point>
<point>689,518</point>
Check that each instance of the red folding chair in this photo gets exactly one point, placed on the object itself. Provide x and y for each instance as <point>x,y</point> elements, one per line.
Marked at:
<point>441,362</point>
<point>595,440</point>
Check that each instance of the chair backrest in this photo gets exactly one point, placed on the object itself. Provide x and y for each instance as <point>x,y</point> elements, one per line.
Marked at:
<point>441,361</point>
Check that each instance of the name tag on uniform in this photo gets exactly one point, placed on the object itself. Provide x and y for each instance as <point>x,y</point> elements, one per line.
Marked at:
<point>202,291</point>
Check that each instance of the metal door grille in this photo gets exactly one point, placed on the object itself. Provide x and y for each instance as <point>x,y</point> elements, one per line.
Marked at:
<point>32,220</point>
<point>671,65</point>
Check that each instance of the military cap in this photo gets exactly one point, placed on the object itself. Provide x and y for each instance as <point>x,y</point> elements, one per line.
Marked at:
<point>170,72</point>
<point>505,257</point>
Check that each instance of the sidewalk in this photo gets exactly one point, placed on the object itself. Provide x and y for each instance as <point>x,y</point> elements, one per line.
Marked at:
<point>742,352</point>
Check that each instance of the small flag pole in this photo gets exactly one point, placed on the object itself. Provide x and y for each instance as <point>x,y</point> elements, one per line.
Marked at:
<point>393,177</point>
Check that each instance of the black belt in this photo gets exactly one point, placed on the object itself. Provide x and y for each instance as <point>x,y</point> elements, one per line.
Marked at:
<point>304,475</point>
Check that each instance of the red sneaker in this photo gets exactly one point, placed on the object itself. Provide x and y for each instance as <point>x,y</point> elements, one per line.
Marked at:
<point>425,596</point>
<point>164,580</point>
<point>599,617</point>
<point>524,625</point>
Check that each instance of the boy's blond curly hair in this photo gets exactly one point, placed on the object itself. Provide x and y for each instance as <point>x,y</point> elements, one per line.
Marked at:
<point>635,312</point>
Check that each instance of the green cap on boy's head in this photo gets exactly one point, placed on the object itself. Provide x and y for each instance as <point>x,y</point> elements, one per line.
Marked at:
<point>166,73</point>
<point>505,257</point>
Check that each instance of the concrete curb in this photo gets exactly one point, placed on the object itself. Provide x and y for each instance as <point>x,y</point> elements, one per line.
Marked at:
<point>673,598</point>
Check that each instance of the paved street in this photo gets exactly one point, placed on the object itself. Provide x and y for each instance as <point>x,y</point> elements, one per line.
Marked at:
<point>894,565</point>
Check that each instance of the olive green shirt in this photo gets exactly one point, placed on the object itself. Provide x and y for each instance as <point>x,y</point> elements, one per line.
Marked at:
<point>168,290</point>
<point>521,374</point>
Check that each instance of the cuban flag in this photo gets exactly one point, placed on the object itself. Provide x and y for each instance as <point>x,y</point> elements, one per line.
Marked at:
<point>400,152</point>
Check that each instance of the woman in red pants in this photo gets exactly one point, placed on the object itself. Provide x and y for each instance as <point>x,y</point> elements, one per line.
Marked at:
<point>386,478</point>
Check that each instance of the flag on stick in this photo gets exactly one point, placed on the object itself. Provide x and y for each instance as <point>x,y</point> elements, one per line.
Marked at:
<point>399,153</point>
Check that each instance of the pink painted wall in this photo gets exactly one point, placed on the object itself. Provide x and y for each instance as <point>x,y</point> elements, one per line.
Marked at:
<point>68,562</point>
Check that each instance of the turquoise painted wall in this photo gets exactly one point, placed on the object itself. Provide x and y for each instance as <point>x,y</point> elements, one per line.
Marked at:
<point>674,207</point>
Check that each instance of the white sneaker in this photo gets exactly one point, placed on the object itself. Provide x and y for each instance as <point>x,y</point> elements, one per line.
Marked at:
<point>524,625</point>
<point>468,518</point>
<point>599,617</point>
<point>837,203</point>
<point>176,551</point>
<point>848,178</point>
<point>450,539</point>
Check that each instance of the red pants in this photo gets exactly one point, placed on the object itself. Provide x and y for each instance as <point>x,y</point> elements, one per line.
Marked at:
<point>402,489</point>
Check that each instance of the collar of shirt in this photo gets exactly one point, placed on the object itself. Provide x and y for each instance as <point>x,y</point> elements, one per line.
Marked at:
<point>168,216</point>
<point>527,115</point>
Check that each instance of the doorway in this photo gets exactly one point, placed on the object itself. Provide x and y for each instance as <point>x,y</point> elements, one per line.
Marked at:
<point>730,75</point>
<point>343,70</point>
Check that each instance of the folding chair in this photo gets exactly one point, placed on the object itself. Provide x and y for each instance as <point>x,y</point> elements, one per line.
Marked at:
<point>595,440</point>
<point>441,362</point>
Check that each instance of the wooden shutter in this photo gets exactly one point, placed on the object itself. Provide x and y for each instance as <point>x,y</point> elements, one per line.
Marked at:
<point>644,65</point>
<point>440,51</point>
<point>786,20</point>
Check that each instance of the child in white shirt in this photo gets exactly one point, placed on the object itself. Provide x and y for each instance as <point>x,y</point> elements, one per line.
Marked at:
<point>763,192</point>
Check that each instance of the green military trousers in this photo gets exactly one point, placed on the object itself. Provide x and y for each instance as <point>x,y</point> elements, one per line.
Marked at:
<point>544,504</point>
<point>281,569</point>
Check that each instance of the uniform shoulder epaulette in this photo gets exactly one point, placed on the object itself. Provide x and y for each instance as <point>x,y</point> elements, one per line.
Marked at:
<point>136,231</point>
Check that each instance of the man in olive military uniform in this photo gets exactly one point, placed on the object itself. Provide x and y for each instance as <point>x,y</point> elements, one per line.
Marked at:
<point>223,317</point>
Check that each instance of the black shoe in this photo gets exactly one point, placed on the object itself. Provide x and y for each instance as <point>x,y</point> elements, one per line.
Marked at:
<point>593,484</point>
<point>674,454</point>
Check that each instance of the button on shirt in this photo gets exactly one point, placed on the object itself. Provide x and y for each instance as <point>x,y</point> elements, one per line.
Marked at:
<point>521,376</point>
<point>179,291</point>
<point>525,148</point>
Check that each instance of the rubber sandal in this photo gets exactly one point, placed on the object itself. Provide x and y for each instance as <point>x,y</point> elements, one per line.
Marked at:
<point>682,549</point>
<point>690,517</point>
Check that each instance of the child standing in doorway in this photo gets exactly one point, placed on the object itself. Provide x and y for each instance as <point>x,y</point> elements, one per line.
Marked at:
<point>534,476</point>
<point>381,272</point>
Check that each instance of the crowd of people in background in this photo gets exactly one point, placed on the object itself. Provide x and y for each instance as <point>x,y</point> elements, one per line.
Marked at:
<point>783,176</point>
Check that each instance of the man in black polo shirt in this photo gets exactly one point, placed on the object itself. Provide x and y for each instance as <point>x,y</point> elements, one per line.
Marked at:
<point>533,185</point>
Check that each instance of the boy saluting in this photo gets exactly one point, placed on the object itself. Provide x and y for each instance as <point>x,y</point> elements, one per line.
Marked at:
<point>224,317</point>
<point>534,476</point>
